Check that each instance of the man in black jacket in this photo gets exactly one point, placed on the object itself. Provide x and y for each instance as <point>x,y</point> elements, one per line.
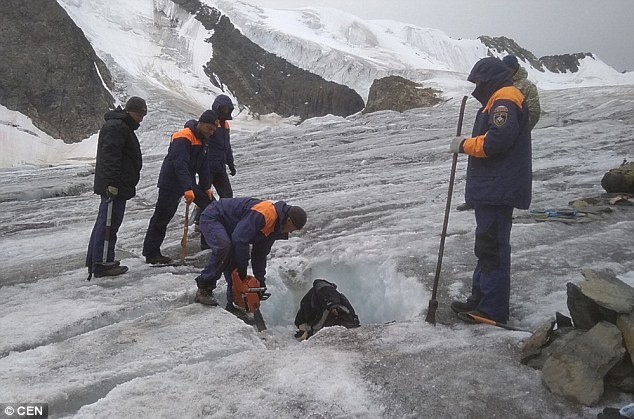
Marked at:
<point>117,172</point>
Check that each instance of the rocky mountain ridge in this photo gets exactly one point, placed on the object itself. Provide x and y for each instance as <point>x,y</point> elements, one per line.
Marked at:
<point>263,81</point>
<point>50,72</point>
<point>563,63</point>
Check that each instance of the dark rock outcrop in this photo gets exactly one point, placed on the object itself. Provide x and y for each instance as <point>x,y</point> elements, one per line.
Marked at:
<point>399,94</point>
<point>504,45</point>
<point>263,81</point>
<point>48,70</point>
<point>554,63</point>
<point>564,63</point>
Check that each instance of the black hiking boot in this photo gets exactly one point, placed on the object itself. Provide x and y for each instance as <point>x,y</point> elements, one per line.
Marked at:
<point>158,260</point>
<point>205,297</point>
<point>464,207</point>
<point>111,271</point>
<point>463,307</point>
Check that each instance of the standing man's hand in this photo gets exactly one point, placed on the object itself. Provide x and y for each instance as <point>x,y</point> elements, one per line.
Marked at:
<point>232,170</point>
<point>210,194</point>
<point>112,192</point>
<point>189,196</point>
<point>456,145</point>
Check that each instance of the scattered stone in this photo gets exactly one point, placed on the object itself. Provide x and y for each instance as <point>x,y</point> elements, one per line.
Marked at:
<point>585,312</point>
<point>558,339</point>
<point>576,370</point>
<point>532,348</point>
<point>608,291</point>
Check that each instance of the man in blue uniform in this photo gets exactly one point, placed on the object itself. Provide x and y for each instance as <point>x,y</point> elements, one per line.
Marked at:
<point>220,155</point>
<point>499,177</point>
<point>186,158</point>
<point>231,226</point>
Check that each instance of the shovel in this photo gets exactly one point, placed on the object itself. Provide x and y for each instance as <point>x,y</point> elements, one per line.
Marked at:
<point>433,303</point>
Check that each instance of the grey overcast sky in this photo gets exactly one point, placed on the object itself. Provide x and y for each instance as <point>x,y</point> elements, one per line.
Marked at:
<point>544,27</point>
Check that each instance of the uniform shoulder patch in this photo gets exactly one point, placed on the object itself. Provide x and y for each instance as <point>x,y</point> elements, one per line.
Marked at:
<point>500,115</point>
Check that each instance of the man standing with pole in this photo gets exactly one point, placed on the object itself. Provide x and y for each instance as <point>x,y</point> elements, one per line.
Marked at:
<point>499,178</point>
<point>117,172</point>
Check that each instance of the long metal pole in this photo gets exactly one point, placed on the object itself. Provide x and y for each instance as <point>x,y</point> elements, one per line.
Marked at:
<point>433,303</point>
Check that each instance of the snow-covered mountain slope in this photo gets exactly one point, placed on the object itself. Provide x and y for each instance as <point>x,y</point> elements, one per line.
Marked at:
<point>149,43</point>
<point>346,49</point>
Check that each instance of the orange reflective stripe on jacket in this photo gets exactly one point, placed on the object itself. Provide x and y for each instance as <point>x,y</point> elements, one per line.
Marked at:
<point>474,146</point>
<point>188,134</point>
<point>511,93</point>
<point>267,209</point>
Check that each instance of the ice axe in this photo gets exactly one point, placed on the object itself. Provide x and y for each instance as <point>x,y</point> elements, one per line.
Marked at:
<point>433,303</point>
<point>185,231</point>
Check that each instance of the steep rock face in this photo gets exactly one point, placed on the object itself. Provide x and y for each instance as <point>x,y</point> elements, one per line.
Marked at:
<point>504,45</point>
<point>48,70</point>
<point>263,81</point>
<point>554,63</point>
<point>399,94</point>
<point>564,63</point>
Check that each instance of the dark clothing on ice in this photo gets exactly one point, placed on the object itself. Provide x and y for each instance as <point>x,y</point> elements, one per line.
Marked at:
<point>324,306</point>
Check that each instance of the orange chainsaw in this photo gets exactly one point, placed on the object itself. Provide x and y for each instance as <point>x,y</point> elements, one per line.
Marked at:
<point>247,294</point>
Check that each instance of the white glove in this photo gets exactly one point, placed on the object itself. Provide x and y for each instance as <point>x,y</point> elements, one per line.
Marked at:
<point>303,332</point>
<point>454,147</point>
<point>112,192</point>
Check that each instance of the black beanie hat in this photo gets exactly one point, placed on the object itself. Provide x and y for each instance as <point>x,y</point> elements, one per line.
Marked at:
<point>208,117</point>
<point>297,216</point>
<point>511,62</point>
<point>136,104</point>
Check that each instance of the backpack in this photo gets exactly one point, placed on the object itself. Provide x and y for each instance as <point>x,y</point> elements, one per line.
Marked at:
<point>324,306</point>
<point>620,179</point>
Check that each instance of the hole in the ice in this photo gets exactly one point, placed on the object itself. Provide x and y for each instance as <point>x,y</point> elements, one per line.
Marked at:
<point>378,292</point>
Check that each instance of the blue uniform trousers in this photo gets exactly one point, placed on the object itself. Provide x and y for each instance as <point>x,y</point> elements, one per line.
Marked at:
<point>491,282</point>
<point>166,206</point>
<point>220,260</point>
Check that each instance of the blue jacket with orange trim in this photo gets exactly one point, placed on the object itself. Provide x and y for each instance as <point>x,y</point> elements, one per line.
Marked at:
<point>250,221</point>
<point>186,157</point>
<point>499,171</point>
